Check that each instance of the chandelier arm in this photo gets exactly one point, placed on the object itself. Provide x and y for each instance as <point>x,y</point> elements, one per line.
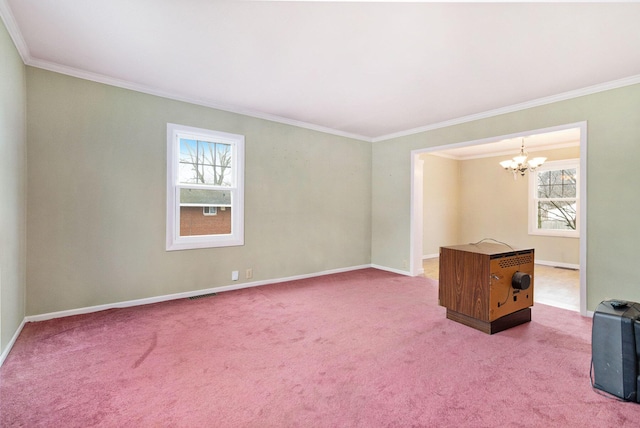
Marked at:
<point>520,164</point>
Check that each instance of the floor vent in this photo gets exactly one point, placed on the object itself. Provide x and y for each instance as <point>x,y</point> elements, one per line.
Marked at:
<point>202,296</point>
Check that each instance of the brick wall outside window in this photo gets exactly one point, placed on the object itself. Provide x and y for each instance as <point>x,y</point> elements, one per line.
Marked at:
<point>194,222</point>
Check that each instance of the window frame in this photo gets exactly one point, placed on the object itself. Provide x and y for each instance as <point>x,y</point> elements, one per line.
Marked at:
<point>173,239</point>
<point>206,211</point>
<point>534,199</point>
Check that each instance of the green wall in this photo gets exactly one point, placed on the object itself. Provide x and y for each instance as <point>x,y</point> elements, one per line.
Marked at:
<point>97,192</point>
<point>613,141</point>
<point>314,202</point>
<point>12,189</point>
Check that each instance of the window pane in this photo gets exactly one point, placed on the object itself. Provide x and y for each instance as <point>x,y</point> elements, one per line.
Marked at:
<point>189,173</point>
<point>188,150</point>
<point>190,162</point>
<point>205,162</point>
<point>218,158</point>
<point>193,220</point>
<point>559,183</point>
<point>216,175</point>
<point>557,215</point>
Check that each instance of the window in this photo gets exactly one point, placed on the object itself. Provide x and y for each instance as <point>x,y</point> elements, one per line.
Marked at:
<point>205,175</point>
<point>554,190</point>
<point>210,210</point>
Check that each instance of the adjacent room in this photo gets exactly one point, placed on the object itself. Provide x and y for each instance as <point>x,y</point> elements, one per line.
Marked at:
<point>504,208</point>
<point>230,213</point>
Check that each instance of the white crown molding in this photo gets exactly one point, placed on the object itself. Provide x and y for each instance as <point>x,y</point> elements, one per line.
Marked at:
<point>100,78</point>
<point>16,35</point>
<point>447,155</point>
<point>23,50</point>
<point>14,31</point>
<point>614,84</point>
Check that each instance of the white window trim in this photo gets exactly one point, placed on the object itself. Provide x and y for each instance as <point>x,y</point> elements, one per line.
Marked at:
<point>533,206</point>
<point>173,240</point>
<point>209,213</point>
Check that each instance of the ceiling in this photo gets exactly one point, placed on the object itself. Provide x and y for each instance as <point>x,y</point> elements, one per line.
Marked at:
<point>510,146</point>
<point>365,70</point>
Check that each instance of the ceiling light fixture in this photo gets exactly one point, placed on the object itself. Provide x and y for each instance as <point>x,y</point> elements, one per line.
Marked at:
<point>520,165</point>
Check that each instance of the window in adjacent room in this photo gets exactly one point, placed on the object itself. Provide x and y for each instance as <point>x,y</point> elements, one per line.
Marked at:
<point>554,190</point>
<point>205,188</point>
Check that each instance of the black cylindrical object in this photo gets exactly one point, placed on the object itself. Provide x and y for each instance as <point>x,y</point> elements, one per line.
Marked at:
<point>521,280</point>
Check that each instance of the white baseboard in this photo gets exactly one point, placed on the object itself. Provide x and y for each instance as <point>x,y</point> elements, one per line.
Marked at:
<point>555,304</point>
<point>558,264</point>
<point>5,353</point>
<point>187,294</point>
<point>430,256</point>
<point>183,295</point>
<point>388,269</point>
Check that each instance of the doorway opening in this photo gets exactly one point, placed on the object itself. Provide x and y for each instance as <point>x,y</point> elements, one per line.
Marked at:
<point>455,223</point>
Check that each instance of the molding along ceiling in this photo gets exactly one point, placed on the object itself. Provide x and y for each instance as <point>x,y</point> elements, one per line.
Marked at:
<point>544,140</point>
<point>366,70</point>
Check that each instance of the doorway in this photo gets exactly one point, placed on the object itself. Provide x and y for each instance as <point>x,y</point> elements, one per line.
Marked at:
<point>540,139</point>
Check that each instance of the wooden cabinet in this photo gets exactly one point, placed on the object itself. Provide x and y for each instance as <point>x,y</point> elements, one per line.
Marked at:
<point>487,286</point>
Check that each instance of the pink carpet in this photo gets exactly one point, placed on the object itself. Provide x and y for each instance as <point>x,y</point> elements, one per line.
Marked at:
<point>360,349</point>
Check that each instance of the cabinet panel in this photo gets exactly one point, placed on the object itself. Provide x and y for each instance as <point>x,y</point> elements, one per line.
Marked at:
<point>504,298</point>
<point>463,283</point>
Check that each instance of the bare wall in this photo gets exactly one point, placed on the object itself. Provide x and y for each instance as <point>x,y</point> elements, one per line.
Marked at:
<point>494,205</point>
<point>13,199</point>
<point>441,197</point>
<point>96,206</point>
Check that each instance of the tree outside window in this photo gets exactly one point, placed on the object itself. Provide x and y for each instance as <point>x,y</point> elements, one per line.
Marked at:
<point>205,175</point>
<point>554,199</point>
<point>205,162</point>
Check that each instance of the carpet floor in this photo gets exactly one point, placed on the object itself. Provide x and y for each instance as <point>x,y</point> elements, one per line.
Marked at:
<point>359,349</point>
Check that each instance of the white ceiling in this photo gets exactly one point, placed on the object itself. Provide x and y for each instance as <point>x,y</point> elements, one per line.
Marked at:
<point>366,70</point>
<point>509,147</point>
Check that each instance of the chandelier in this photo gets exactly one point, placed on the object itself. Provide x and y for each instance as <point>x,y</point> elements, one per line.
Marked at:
<point>520,165</point>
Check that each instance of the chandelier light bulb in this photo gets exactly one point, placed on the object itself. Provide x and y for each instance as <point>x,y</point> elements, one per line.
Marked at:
<point>519,163</point>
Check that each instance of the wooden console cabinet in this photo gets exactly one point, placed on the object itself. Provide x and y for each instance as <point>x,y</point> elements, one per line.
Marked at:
<point>476,285</point>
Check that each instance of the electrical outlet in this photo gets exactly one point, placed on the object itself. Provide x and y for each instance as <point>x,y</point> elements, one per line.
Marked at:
<point>249,273</point>
<point>235,275</point>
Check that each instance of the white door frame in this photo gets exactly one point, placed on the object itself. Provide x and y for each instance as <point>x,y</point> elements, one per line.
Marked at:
<point>417,203</point>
